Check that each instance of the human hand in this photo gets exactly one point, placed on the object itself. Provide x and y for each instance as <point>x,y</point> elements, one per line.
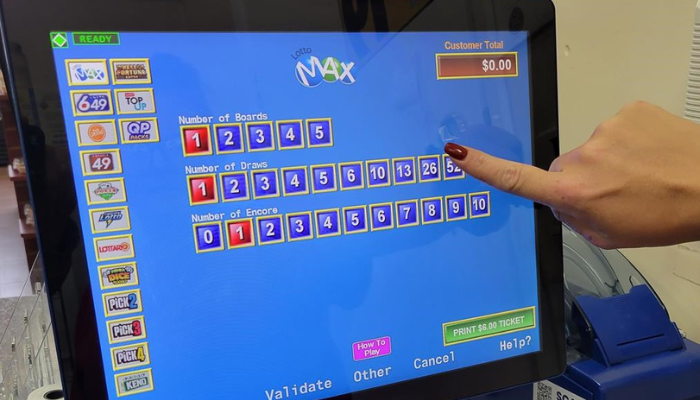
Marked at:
<point>635,183</point>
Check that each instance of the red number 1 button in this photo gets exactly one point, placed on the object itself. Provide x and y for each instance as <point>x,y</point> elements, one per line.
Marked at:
<point>240,233</point>
<point>196,141</point>
<point>202,189</point>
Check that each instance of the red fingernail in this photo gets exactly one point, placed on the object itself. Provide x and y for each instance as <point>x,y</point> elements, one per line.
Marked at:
<point>456,151</point>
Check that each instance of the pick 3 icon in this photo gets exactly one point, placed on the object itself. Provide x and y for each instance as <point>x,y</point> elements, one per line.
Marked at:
<point>312,71</point>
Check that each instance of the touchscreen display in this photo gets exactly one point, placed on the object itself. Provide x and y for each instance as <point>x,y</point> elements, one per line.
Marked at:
<point>271,215</point>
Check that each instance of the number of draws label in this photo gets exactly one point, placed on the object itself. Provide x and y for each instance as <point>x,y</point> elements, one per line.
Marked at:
<point>139,130</point>
<point>131,356</point>
<point>105,191</point>
<point>110,220</point>
<point>114,248</point>
<point>122,303</point>
<point>131,71</point>
<point>134,382</point>
<point>135,101</point>
<point>126,330</point>
<point>101,162</point>
<point>96,133</point>
<point>488,326</point>
<point>119,275</point>
<point>91,102</point>
<point>87,72</point>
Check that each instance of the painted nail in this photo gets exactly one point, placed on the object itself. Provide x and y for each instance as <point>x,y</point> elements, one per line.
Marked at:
<point>456,151</point>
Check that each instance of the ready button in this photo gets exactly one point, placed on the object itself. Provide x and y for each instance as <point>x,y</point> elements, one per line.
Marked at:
<point>488,326</point>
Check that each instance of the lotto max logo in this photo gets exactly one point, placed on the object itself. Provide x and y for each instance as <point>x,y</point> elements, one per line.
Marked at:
<point>312,71</point>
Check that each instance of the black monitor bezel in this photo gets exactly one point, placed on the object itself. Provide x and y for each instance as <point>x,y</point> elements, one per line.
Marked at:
<point>66,268</point>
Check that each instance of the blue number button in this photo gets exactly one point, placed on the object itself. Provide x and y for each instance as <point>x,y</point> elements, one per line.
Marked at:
<point>452,171</point>
<point>378,173</point>
<point>290,134</point>
<point>270,230</point>
<point>260,137</point>
<point>229,138</point>
<point>235,186</point>
<point>208,237</point>
<point>320,132</point>
<point>351,176</point>
<point>432,210</point>
<point>265,184</point>
<point>382,216</point>
<point>299,226</point>
<point>404,171</point>
<point>323,178</point>
<point>480,204</point>
<point>407,213</point>
<point>296,181</point>
<point>355,220</point>
<point>429,168</point>
<point>327,223</point>
<point>456,207</point>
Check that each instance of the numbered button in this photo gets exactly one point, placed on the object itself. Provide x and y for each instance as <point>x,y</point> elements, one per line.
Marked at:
<point>378,172</point>
<point>234,186</point>
<point>240,233</point>
<point>480,204</point>
<point>290,134</point>
<point>407,213</point>
<point>295,181</point>
<point>429,168</point>
<point>404,171</point>
<point>432,210</point>
<point>265,184</point>
<point>260,136</point>
<point>196,141</point>
<point>327,223</point>
<point>382,216</point>
<point>456,207</point>
<point>300,226</point>
<point>208,237</point>
<point>452,171</point>
<point>323,178</point>
<point>351,176</point>
<point>320,132</point>
<point>355,220</point>
<point>229,138</point>
<point>202,189</point>
<point>270,230</point>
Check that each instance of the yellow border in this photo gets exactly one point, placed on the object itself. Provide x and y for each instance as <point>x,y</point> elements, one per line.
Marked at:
<point>339,221</point>
<point>388,173</point>
<point>266,218</point>
<point>272,136</point>
<point>229,125</point>
<point>439,167</point>
<point>312,178</point>
<point>108,92</point>
<point>103,61</point>
<point>488,201</point>
<point>132,264</point>
<point>154,120</point>
<point>137,292</point>
<point>391,215</point>
<point>393,170</point>
<point>129,237</point>
<point>361,175</point>
<point>422,211</point>
<point>446,158</point>
<point>224,175</point>
<point>113,172</point>
<point>308,132</point>
<point>147,352</point>
<point>215,189</point>
<point>95,122</point>
<point>397,206</point>
<point>252,233</point>
<point>277,182</point>
<point>437,65</point>
<point>447,207</point>
<point>301,128</point>
<point>284,181</point>
<point>345,230</point>
<point>311,226</point>
<point>133,60</point>
<point>87,191</point>
<point>534,326</point>
<point>221,237</point>
<point>141,318</point>
<point>184,146</point>
<point>116,381</point>
<point>126,215</point>
<point>149,90</point>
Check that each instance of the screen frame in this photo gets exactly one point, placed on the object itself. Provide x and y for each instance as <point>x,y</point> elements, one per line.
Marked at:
<point>56,207</point>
